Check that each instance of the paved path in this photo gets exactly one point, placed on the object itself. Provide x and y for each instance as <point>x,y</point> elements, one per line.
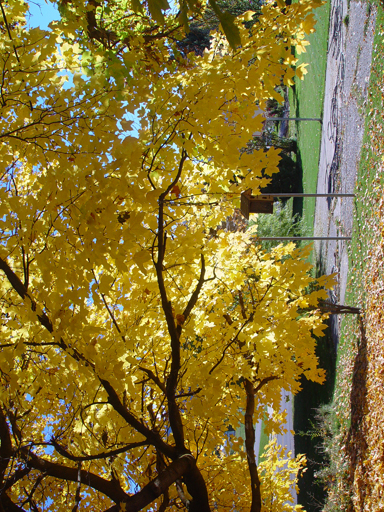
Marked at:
<point>346,87</point>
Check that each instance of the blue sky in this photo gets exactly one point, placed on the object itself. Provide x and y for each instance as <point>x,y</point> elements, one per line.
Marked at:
<point>42,13</point>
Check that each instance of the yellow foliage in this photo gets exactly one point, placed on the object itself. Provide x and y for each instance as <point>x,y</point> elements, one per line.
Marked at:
<point>279,474</point>
<point>129,319</point>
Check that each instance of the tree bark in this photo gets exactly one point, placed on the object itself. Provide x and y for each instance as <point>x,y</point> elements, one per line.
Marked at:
<point>338,309</point>
<point>198,490</point>
<point>184,466</point>
<point>110,488</point>
<point>250,447</point>
<point>6,450</point>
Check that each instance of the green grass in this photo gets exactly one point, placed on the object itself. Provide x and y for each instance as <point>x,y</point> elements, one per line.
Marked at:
<point>306,100</point>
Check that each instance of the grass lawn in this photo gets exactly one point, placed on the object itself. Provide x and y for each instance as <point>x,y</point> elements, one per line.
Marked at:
<point>306,100</point>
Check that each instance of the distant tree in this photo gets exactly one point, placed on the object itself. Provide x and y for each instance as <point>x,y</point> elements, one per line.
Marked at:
<point>198,38</point>
<point>269,138</point>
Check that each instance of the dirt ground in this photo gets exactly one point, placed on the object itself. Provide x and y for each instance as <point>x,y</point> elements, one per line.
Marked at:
<point>348,69</point>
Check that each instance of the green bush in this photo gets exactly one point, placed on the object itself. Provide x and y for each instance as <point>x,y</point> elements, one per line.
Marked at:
<point>280,223</point>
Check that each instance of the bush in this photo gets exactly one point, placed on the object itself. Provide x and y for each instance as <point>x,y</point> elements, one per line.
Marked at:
<point>334,473</point>
<point>280,223</point>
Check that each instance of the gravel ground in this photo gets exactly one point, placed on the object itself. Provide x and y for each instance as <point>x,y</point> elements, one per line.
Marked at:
<point>348,69</point>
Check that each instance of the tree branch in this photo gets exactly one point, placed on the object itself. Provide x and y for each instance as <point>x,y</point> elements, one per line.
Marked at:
<point>195,295</point>
<point>190,393</point>
<point>180,492</point>
<point>8,30</point>
<point>16,476</point>
<point>153,377</point>
<point>158,486</point>
<point>173,409</point>
<point>78,490</point>
<point>6,449</point>
<point>264,381</point>
<point>7,504</point>
<point>250,319</point>
<point>113,397</point>
<point>19,287</point>
<point>337,309</point>
<point>103,455</point>
<point>110,488</point>
<point>44,320</point>
<point>152,437</point>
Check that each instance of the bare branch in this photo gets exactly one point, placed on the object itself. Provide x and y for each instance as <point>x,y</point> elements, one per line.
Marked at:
<point>174,333</point>
<point>8,30</point>
<point>184,466</point>
<point>195,295</point>
<point>7,505</point>
<point>152,437</point>
<point>264,381</point>
<point>16,476</point>
<point>230,344</point>
<point>153,377</point>
<point>180,492</point>
<point>191,393</point>
<point>44,320</point>
<point>78,489</point>
<point>6,449</point>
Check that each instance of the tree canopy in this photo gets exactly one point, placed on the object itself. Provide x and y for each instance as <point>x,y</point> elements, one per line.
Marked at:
<point>134,331</point>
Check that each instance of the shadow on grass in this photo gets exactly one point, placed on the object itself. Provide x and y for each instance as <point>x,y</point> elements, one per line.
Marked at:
<point>298,201</point>
<point>308,438</point>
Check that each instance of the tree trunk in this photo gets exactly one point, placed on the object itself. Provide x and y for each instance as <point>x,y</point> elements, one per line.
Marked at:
<point>250,447</point>
<point>184,467</point>
<point>338,309</point>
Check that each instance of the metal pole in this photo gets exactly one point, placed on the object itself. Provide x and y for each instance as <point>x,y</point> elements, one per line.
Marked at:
<point>302,238</point>
<point>275,194</point>
<point>293,119</point>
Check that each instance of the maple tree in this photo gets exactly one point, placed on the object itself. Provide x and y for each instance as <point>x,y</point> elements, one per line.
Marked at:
<point>133,331</point>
